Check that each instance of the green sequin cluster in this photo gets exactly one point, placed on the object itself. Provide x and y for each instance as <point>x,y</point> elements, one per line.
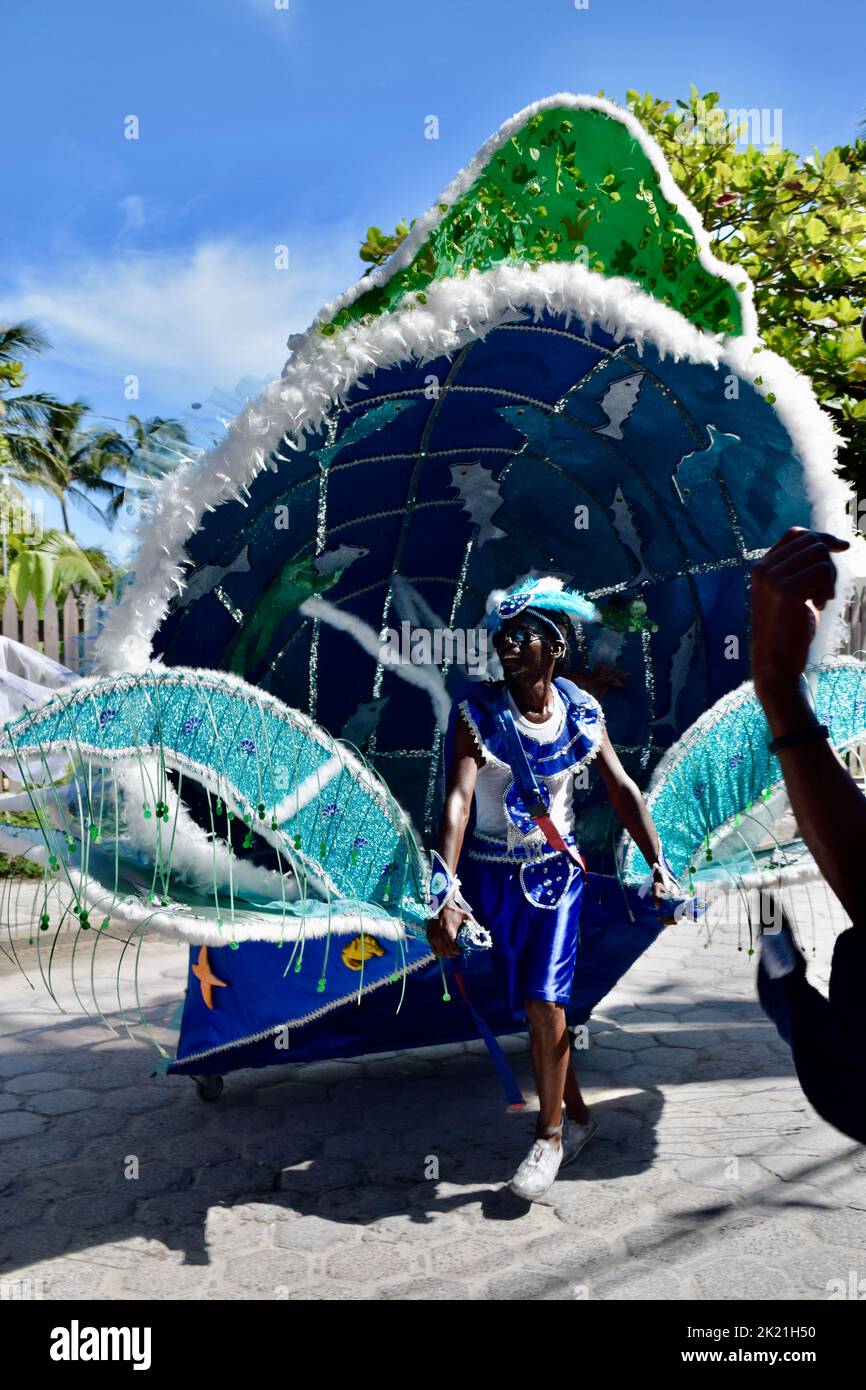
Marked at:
<point>571,185</point>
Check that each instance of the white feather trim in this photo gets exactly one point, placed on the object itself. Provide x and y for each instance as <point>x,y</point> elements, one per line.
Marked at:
<point>195,859</point>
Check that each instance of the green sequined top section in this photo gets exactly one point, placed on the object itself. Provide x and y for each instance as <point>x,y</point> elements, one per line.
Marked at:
<point>572,184</point>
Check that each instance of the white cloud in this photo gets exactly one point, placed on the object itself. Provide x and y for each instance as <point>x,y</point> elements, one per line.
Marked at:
<point>184,321</point>
<point>132,208</point>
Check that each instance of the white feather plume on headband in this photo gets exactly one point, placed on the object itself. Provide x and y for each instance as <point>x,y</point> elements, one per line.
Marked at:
<point>545,593</point>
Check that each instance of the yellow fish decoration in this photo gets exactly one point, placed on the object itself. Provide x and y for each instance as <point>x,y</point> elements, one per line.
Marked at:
<point>360,950</point>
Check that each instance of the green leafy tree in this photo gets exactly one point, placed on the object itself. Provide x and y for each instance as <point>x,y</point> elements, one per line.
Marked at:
<point>53,563</point>
<point>150,450</point>
<point>797,226</point>
<point>380,245</point>
<point>20,411</point>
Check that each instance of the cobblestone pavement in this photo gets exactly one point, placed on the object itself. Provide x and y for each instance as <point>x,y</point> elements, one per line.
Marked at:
<point>711,1176</point>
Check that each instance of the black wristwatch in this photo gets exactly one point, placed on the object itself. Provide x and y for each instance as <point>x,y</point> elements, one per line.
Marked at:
<point>813,730</point>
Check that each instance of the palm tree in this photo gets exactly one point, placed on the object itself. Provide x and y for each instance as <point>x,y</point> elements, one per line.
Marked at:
<point>55,564</point>
<point>146,433</point>
<point>44,443</point>
<point>68,461</point>
<point>25,410</point>
<point>153,448</point>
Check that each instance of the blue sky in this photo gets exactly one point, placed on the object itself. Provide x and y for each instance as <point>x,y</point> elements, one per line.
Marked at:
<point>262,126</point>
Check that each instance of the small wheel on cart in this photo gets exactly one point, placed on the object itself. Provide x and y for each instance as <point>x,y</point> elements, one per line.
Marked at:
<point>209,1087</point>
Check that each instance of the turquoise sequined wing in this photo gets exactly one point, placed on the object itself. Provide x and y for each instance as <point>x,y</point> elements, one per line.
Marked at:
<point>715,796</point>
<point>290,781</point>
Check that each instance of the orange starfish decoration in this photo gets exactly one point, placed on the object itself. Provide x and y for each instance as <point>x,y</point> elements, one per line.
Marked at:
<point>206,978</point>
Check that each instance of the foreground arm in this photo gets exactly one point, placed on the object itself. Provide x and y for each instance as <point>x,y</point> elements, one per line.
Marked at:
<point>794,579</point>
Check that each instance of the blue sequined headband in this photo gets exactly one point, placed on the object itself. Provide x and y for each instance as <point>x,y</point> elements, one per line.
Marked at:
<point>537,595</point>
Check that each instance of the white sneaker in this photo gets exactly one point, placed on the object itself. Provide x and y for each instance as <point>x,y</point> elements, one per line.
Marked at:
<point>574,1136</point>
<point>537,1173</point>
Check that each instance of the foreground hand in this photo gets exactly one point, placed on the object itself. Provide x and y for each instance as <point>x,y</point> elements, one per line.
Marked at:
<point>442,931</point>
<point>790,584</point>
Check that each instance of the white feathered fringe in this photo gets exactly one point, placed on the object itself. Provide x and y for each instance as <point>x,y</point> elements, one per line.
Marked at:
<point>180,922</point>
<point>134,915</point>
<point>195,858</point>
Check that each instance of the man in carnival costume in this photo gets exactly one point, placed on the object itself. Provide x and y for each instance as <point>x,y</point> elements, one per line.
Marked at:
<point>514,751</point>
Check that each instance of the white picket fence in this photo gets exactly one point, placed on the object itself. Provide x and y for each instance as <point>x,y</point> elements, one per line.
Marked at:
<point>856,617</point>
<point>66,634</point>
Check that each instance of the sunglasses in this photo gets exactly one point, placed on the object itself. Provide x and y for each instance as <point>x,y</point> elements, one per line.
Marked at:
<point>520,636</point>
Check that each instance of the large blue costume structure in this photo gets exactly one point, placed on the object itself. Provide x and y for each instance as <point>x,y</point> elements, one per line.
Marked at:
<point>544,379</point>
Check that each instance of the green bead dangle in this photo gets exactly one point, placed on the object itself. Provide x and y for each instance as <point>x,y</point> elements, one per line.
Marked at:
<point>52,861</point>
<point>323,850</point>
<point>84,921</point>
<point>297,842</point>
<point>321,985</point>
<point>261,809</point>
<point>766,794</point>
<point>94,833</point>
<point>44,922</point>
<point>146,811</point>
<point>297,965</point>
<point>219,806</point>
<point>70,842</point>
<point>248,840</point>
<point>235,945</point>
<point>106,923</point>
<point>446,997</point>
<point>274,825</point>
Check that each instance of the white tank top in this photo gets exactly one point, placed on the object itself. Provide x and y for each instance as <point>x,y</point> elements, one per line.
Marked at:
<point>494,779</point>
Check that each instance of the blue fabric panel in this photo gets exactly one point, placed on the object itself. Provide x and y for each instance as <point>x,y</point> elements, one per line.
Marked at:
<point>260,998</point>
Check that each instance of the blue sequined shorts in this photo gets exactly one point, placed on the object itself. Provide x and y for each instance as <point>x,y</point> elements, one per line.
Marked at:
<point>535,947</point>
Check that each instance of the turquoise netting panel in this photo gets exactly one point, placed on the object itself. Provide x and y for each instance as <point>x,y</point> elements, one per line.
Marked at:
<point>723,766</point>
<point>288,779</point>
